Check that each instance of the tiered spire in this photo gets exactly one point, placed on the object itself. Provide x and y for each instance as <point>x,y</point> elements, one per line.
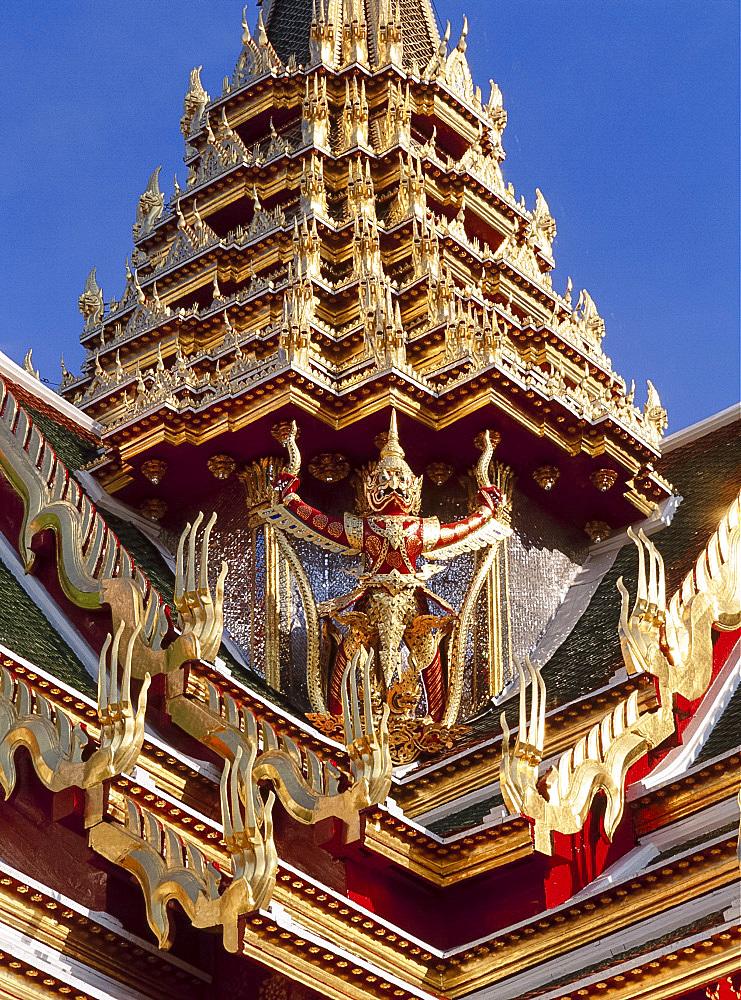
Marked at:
<point>350,233</point>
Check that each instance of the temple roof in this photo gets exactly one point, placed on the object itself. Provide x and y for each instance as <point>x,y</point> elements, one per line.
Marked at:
<point>335,218</point>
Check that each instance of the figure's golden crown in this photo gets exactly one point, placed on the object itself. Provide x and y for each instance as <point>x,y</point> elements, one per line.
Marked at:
<point>392,479</point>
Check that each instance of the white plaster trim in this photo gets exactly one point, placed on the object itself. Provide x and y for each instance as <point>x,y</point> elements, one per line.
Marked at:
<point>75,974</point>
<point>104,919</point>
<point>284,920</point>
<point>615,944</point>
<point>574,604</point>
<point>20,376</point>
<point>50,610</point>
<point>624,868</point>
<point>701,428</point>
<point>721,814</point>
<point>700,727</point>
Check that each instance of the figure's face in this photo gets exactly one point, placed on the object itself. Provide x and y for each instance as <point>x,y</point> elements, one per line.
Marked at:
<point>391,490</point>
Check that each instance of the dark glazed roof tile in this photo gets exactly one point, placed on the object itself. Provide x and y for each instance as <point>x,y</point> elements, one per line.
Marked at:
<point>288,28</point>
<point>726,734</point>
<point>707,474</point>
<point>24,630</point>
<point>289,23</point>
<point>73,445</point>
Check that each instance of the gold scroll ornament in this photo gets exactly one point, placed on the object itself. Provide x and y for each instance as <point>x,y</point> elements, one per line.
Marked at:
<point>95,569</point>
<point>28,719</point>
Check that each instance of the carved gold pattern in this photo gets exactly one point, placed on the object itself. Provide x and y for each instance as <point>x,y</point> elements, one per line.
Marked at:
<point>153,508</point>
<point>598,531</point>
<point>154,470</point>
<point>329,467</point>
<point>409,739</point>
<point>221,466</point>
<point>546,476</point>
<point>604,479</point>
<point>439,472</point>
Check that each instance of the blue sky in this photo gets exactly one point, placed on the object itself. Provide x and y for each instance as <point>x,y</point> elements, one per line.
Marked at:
<point>623,112</point>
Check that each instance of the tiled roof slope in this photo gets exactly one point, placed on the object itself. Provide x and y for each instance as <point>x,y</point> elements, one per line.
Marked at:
<point>24,630</point>
<point>289,21</point>
<point>706,473</point>
<point>74,436</point>
<point>288,29</point>
<point>726,734</point>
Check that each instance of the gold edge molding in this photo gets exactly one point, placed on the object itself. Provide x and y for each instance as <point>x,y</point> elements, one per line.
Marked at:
<point>243,413</point>
<point>339,978</point>
<point>692,793</point>
<point>586,921</point>
<point>391,953</point>
<point>673,974</point>
<point>439,787</point>
<point>469,861</point>
<point>41,917</point>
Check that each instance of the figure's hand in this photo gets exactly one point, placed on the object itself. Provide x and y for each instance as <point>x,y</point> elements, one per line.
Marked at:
<point>490,496</point>
<point>284,484</point>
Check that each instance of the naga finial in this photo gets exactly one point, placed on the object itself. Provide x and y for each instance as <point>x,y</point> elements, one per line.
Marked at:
<point>482,466</point>
<point>294,455</point>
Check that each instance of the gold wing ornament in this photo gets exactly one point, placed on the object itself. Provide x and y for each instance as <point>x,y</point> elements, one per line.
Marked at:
<point>674,643</point>
<point>280,517</point>
<point>487,534</point>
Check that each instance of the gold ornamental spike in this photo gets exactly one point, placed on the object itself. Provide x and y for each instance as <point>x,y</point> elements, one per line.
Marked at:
<point>392,446</point>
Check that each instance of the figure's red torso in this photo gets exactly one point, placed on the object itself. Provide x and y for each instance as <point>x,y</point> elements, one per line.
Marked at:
<point>383,555</point>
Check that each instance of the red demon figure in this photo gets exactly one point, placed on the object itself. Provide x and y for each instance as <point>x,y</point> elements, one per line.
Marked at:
<point>390,605</point>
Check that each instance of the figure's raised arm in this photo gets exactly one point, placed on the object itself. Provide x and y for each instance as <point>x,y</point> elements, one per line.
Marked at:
<point>292,515</point>
<point>444,541</point>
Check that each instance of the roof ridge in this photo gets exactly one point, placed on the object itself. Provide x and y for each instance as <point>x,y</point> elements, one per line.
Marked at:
<point>12,372</point>
<point>701,428</point>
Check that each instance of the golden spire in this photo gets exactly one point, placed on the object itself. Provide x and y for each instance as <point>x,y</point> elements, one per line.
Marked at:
<point>392,446</point>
